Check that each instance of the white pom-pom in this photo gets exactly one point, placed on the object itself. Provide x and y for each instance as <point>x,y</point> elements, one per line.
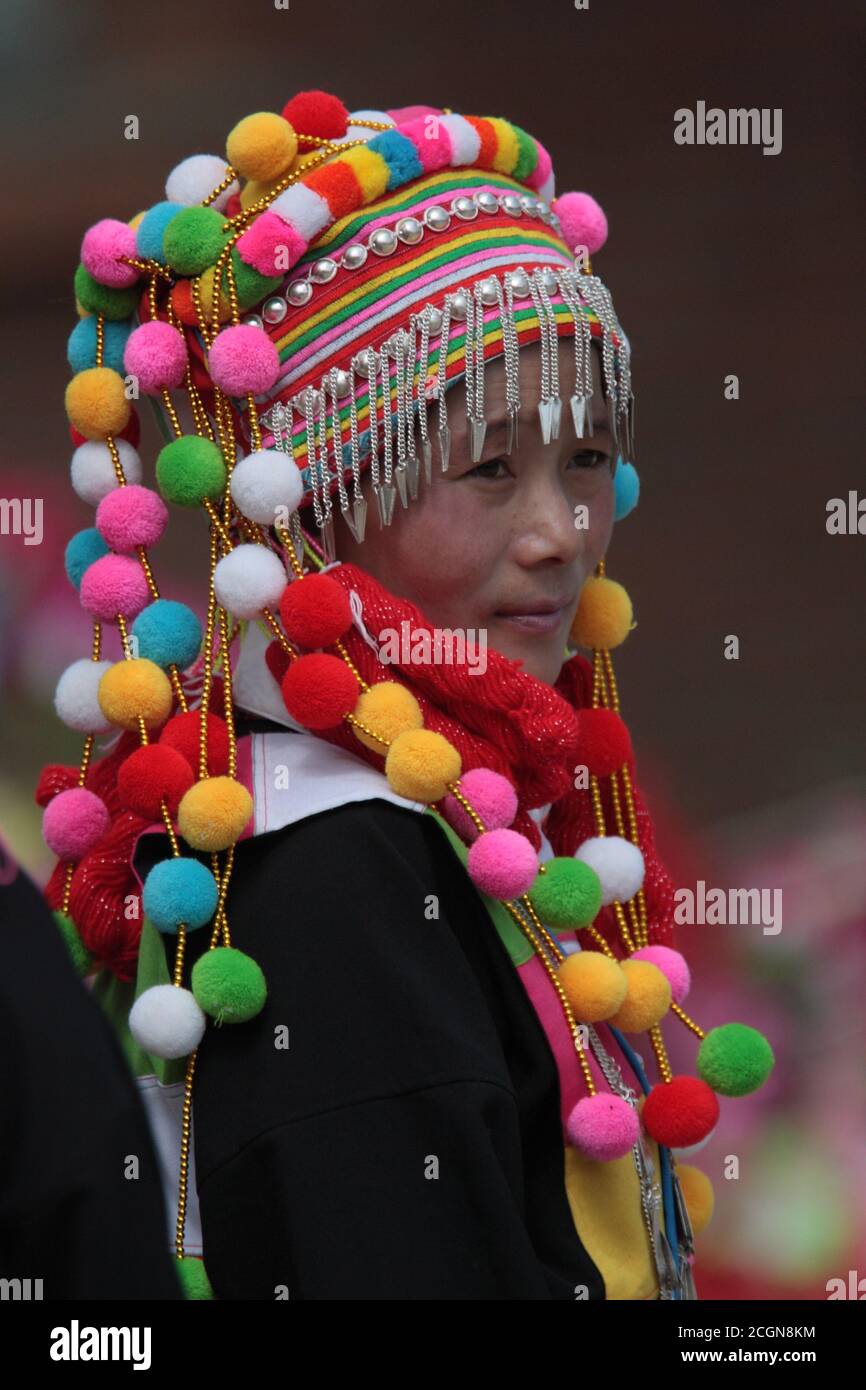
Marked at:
<point>363,132</point>
<point>248,579</point>
<point>167,1022</point>
<point>92,471</point>
<point>194,178</point>
<point>76,698</point>
<point>618,863</point>
<point>266,484</point>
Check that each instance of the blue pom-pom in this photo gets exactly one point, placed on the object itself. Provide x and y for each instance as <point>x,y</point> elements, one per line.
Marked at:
<point>81,347</point>
<point>626,485</point>
<point>168,633</point>
<point>179,890</point>
<point>84,547</point>
<point>399,154</point>
<point>151,229</point>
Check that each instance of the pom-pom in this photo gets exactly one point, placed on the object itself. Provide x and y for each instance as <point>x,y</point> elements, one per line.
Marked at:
<point>680,1112</point>
<point>251,285</point>
<point>156,356</point>
<point>604,614</point>
<point>194,239</point>
<point>317,113</point>
<point>131,516</point>
<point>96,403</point>
<point>76,698</point>
<point>190,1269</point>
<point>582,221</point>
<point>735,1059</point>
<point>150,775</point>
<point>167,1022</point>
<point>251,577</point>
<point>315,611</point>
<point>490,795</point>
<point>502,863</point>
<point>698,1196</point>
<point>179,891</point>
<point>603,1127</point>
<point>242,359</point>
<point>182,732</point>
<point>83,550</point>
<point>267,487</point>
<point>131,432</point>
<point>81,344</point>
<point>114,584</point>
<point>82,960</point>
<point>262,145</point>
<point>92,471</point>
<point>647,1000</point>
<point>566,894</point>
<point>594,985</point>
<point>672,964</point>
<point>95,298</point>
<point>214,813</point>
<point>420,763</point>
<point>194,178</point>
<point>168,633</point>
<point>387,709</point>
<point>135,689</point>
<point>618,863</point>
<point>151,229</point>
<point>319,690</point>
<point>626,489</point>
<point>228,985</point>
<point>190,470</point>
<point>605,744</point>
<point>74,821</point>
<point>101,248</point>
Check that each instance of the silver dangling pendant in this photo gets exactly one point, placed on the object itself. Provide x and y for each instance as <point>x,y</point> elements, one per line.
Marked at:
<point>328,542</point>
<point>512,436</point>
<point>545,414</point>
<point>427,455</point>
<point>477,431</point>
<point>578,414</point>
<point>400,480</point>
<point>413,467</point>
<point>355,518</point>
<point>386,495</point>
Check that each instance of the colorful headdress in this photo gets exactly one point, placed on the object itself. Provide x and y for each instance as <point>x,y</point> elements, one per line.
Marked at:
<point>306,299</point>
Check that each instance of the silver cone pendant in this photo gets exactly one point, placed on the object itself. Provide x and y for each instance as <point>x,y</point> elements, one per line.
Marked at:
<point>413,467</point>
<point>328,541</point>
<point>477,429</point>
<point>400,479</point>
<point>386,495</point>
<point>444,446</point>
<point>557,417</point>
<point>545,415</point>
<point>427,454</point>
<point>357,523</point>
<point>578,414</point>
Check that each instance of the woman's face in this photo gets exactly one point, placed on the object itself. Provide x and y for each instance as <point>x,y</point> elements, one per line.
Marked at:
<point>502,546</point>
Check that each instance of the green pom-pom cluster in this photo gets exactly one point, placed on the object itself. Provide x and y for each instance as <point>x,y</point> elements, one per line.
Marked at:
<point>189,470</point>
<point>193,1279</point>
<point>102,299</point>
<point>251,286</point>
<point>228,985</point>
<point>194,239</point>
<point>79,954</point>
<point>567,894</point>
<point>734,1059</point>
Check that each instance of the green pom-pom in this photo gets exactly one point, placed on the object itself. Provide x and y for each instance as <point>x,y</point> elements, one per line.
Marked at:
<point>567,894</point>
<point>102,299</point>
<point>194,239</point>
<point>735,1059</point>
<point>228,985</point>
<point>252,287</point>
<point>193,1279</point>
<point>80,956</point>
<point>189,470</point>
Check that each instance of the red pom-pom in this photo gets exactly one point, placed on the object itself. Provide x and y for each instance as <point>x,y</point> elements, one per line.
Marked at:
<point>182,733</point>
<point>233,205</point>
<point>315,611</point>
<point>680,1112</point>
<point>318,690</point>
<point>132,432</point>
<point>150,774</point>
<point>317,113</point>
<point>277,660</point>
<point>605,742</point>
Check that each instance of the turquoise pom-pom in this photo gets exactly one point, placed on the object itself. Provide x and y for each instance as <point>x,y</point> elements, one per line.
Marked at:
<point>168,633</point>
<point>151,230</point>
<point>399,154</point>
<point>734,1059</point>
<point>626,489</point>
<point>81,346</point>
<point>179,890</point>
<point>83,549</point>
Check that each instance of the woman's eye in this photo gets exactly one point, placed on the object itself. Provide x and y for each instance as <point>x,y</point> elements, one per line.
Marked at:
<point>487,469</point>
<point>591,458</point>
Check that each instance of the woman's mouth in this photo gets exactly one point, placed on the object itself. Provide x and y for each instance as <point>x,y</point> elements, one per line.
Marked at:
<point>537,621</point>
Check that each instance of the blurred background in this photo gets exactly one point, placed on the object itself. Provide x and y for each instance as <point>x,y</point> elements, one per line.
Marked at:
<point>721,260</point>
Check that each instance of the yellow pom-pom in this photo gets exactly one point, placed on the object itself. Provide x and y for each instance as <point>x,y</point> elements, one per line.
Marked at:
<point>135,688</point>
<point>205,283</point>
<point>255,189</point>
<point>594,985</point>
<point>213,813</point>
<point>262,146</point>
<point>388,709</point>
<point>370,169</point>
<point>648,998</point>
<point>96,404</point>
<point>80,310</point>
<point>604,614</point>
<point>420,764</point>
<point>507,146</point>
<point>698,1196</point>
<point>136,221</point>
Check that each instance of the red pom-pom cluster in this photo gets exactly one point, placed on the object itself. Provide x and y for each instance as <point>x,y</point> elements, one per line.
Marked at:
<point>680,1112</point>
<point>182,733</point>
<point>315,611</point>
<point>317,113</point>
<point>150,774</point>
<point>605,743</point>
<point>319,690</point>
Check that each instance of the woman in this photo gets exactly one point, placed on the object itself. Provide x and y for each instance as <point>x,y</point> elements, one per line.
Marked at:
<point>409,821</point>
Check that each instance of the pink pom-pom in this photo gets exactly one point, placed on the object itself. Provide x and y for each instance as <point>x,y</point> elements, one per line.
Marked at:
<point>603,1127</point>
<point>488,793</point>
<point>541,172</point>
<point>271,246</point>
<point>582,220</point>
<point>243,359</point>
<point>432,141</point>
<point>114,584</point>
<point>672,965</point>
<point>155,353</point>
<point>74,821</point>
<point>131,516</point>
<point>102,244</point>
<point>502,864</point>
